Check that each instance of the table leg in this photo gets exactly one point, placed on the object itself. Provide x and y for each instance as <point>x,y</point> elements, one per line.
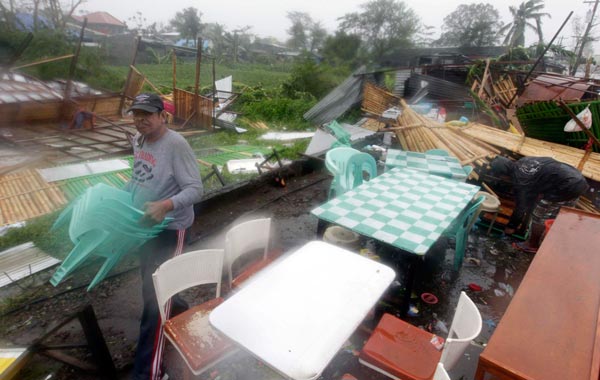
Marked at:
<point>321,227</point>
<point>492,222</point>
<point>479,373</point>
<point>409,286</point>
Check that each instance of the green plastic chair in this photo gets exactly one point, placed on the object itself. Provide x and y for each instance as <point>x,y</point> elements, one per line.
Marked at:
<point>460,229</point>
<point>438,152</point>
<point>343,137</point>
<point>468,170</point>
<point>336,161</point>
<point>356,166</point>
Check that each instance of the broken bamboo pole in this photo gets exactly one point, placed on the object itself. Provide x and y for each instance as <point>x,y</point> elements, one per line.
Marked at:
<point>48,60</point>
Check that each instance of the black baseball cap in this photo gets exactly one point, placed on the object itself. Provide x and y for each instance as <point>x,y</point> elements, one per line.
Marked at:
<point>147,102</point>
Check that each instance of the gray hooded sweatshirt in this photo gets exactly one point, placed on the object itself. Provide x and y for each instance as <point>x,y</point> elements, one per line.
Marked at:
<point>166,169</point>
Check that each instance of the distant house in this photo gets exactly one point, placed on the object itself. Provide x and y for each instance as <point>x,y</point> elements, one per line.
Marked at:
<point>103,22</point>
<point>438,56</point>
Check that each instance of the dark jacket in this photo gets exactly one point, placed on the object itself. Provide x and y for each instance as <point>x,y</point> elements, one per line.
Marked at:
<point>545,178</point>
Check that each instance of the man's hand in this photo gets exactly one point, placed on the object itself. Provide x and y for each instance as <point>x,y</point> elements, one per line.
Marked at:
<point>509,231</point>
<point>155,211</point>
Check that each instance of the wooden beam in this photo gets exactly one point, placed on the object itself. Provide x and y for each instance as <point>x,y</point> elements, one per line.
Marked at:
<point>197,79</point>
<point>128,81</point>
<point>72,68</point>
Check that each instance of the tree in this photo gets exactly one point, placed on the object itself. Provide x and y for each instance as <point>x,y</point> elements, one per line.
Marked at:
<point>216,33</point>
<point>317,36</point>
<point>515,30</point>
<point>305,33</point>
<point>187,23</point>
<point>383,24</point>
<point>56,11</point>
<point>471,25</point>
<point>342,48</point>
<point>299,30</point>
<point>59,13</point>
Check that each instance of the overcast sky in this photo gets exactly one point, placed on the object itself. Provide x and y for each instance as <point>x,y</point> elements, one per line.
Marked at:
<point>268,17</point>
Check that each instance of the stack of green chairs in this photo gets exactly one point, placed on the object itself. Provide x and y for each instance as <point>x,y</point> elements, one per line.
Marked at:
<point>103,223</point>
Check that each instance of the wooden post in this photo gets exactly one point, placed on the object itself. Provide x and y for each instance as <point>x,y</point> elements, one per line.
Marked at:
<point>485,77</point>
<point>72,68</point>
<point>197,82</point>
<point>174,60</point>
<point>215,98</point>
<point>128,81</point>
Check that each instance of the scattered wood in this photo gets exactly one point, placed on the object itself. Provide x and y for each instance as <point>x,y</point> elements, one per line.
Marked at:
<point>258,125</point>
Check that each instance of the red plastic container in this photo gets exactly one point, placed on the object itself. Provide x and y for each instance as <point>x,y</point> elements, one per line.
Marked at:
<point>548,223</point>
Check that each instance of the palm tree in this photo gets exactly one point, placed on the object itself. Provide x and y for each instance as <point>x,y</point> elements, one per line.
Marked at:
<point>528,10</point>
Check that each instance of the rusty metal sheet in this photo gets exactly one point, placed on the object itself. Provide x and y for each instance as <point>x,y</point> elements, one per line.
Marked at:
<point>550,87</point>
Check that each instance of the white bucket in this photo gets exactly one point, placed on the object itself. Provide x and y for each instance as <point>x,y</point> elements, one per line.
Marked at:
<point>342,237</point>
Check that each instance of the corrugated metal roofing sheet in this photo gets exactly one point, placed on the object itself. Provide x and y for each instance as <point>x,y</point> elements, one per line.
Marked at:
<point>437,89</point>
<point>22,261</point>
<point>550,87</point>
<point>338,101</point>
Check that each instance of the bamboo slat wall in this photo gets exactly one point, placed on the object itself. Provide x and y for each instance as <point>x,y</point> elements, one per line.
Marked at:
<point>100,105</point>
<point>377,100</point>
<point>184,107</point>
<point>51,110</point>
<point>30,111</point>
<point>135,84</point>
<point>25,195</point>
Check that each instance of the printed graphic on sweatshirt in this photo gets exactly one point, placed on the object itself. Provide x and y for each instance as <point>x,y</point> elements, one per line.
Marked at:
<point>143,166</point>
<point>530,167</point>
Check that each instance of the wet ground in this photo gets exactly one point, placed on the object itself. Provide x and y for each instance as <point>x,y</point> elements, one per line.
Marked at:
<point>490,263</point>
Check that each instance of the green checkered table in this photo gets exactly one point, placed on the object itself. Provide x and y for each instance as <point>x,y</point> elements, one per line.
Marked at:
<point>405,208</point>
<point>445,166</point>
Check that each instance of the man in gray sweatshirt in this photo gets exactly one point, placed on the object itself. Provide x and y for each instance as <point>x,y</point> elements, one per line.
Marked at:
<point>165,183</point>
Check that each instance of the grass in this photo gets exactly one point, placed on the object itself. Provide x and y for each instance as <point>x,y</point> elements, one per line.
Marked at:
<point>161,75</point>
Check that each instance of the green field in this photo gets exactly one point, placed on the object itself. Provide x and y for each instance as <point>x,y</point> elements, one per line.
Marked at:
<point>244,75</point>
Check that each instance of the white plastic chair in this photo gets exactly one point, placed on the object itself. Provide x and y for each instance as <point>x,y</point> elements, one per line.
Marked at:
<point>414,357</point>
<point>440,373</point>
<point>247,237</point>
<point>206,347</point>
<point>466,326</point>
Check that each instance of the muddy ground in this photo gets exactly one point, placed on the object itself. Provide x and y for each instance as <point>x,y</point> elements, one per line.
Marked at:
<point>494,266</point>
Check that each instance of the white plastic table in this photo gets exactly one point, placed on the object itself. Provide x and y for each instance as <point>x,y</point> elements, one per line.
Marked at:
<point>297,314</point>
